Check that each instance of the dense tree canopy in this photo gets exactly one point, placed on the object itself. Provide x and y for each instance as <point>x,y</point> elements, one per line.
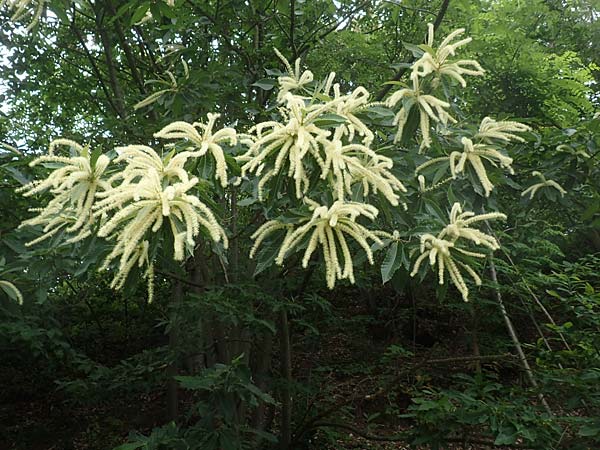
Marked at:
<point>254,224</point>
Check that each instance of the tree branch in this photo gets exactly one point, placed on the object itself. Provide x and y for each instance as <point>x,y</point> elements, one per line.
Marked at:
<point>95,68</point>
<point>404,438</point>
<point>436,24</point>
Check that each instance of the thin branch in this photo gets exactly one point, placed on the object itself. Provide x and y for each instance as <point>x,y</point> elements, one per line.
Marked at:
<point>179,279</point>
<point>292,28</point>
<point>95,68</point>
<point>406,437</point>
<point>438,20</point>
<point>515,339</point>
<point>310,40</point>
<point>137,77</point>
<point>112,71</point>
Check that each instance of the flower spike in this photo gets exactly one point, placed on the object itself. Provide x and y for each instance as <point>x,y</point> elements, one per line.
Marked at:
<point>531,190</point>
<point>73,185</point>
<point>439,64</point>
<point>441,249</point>
<point>330,228</point>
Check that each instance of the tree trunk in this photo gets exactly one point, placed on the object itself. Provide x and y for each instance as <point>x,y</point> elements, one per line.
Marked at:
<point>172,389</point>
<point>286,372</point>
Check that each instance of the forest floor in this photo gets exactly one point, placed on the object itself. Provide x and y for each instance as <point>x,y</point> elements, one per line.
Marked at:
<point>362,390</point>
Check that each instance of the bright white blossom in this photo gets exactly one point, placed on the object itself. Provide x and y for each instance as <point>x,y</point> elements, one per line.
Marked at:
<point>503,130</point>
<point>286,146</point>
<point>475,154</point>
<point>437,61</point>
<point>151,191</point>
<point>531,190</point>
<point>357,163</point>
<point>73,185</point>
<point>318,133</point>
<point>439,249</point>
<point>459,227</point>
<point>430,107</point>
<point>203,142</point>
<point>348,106</point>
<point>294,80</point>
<point>328,227</point>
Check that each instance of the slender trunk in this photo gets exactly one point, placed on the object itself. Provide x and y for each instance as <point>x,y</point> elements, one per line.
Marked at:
<point>515,339</point>
<point>475,338</point>
<point>205,342</point>
<point>260,371</point>
<point>110,64</point>
<point>172,389</point>
<point>234,252</point>
<point>286,371</point>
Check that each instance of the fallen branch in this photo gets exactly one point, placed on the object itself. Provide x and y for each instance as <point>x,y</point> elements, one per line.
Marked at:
<point>405,437</point>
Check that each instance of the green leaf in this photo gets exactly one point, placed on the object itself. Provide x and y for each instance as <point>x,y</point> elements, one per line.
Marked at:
<point>507,436</point>
<point>247,201</point>
<point>194,382</point>
<point>389,265</point>
<point>427,48</point>
<point>9,291</point>
<point>95,155</point>
<point>414,49</point>
<point>589,430</point>
<point>16,174</point>
<point>60,12</point>
<point>130,446</point>
<point>139,13</point>
<point>328,120</point>
<point>265,83</point>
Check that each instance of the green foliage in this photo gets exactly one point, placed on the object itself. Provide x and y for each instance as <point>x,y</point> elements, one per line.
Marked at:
<point>480,407</point>
<point>214,417</point>
<point>360,353</point>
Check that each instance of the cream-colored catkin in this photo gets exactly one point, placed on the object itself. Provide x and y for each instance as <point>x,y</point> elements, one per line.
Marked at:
<point>442,249</point>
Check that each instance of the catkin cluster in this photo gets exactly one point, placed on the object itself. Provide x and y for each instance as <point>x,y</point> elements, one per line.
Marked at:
<point>129,208</point>
<point>322,147</point>
<point>441,249</point>
<point>321,131</point>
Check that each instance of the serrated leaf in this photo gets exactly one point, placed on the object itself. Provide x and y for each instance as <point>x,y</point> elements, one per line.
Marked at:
<point>389,264</point>
<point>506,437</point>
<point>16,174</point>
<point>247,201</point>
<point>589,430</point>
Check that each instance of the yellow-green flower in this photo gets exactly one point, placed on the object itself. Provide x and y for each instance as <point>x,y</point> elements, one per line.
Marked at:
<point>475,154</point>
<point>438,62</point>
<point>73,185</point>
<point>12,291</point>
<point>430,107</point>
<point>439,249</point>
<point>503,130</point>
<point>328,227</point>
<point>277,146</point>
<point>531,190</point>
<point>149,192</point>
<point>202,143</point>
<point>21,9</point>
